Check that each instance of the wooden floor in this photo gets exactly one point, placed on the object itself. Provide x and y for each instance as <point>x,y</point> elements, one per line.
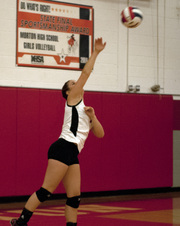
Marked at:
<point>156,209</point>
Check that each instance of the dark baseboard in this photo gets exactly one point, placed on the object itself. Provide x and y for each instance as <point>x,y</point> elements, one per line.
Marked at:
<point>131,192</point>
<point>98,194</point>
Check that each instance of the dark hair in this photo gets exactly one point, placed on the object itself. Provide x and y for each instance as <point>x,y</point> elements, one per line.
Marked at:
<point>65,88</point>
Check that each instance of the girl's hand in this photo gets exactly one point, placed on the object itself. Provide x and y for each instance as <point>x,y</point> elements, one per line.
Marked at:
<point>89,112</point>
<point>99,45</point>
<point>96,126</point>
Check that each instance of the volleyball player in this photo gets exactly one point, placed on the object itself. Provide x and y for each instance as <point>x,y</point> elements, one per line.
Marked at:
<point>63,164</point>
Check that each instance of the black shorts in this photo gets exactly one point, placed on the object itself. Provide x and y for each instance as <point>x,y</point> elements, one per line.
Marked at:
<point>64,151</point>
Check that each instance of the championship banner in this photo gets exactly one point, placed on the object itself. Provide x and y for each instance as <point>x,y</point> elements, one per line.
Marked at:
<point>54,34</point>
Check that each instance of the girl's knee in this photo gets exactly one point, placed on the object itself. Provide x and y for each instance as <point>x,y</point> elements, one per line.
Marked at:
<point>43,194</point>
<point>73,201</point>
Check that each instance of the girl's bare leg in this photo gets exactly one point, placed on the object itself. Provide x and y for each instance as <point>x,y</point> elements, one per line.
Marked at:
<point>71,182</point>
<point>54,174</point>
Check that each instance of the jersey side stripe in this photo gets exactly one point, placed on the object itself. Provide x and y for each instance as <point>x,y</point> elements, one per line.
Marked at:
<point>74,121</point>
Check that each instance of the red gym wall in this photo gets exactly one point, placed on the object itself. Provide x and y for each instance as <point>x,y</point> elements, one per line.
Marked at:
<point>135,153</point>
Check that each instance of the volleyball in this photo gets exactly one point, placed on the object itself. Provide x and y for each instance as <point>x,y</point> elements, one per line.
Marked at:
<point>131,17</point>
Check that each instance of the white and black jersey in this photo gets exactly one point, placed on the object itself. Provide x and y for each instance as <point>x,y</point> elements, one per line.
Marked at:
<point>76,124</point>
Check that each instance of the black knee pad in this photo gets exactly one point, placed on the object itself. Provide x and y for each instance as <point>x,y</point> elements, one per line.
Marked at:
<point>43,194</point>
<point>73,201</point>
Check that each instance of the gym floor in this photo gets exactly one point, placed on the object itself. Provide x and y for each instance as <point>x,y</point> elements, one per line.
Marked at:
<point>155,209</point>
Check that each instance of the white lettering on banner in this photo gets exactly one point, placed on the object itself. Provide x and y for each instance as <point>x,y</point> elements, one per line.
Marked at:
<point>83,60</point>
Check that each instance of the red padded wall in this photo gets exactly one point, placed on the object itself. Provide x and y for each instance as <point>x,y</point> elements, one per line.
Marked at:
<point>136,151</point>
<point>8,141</point>
<point>27,138</point>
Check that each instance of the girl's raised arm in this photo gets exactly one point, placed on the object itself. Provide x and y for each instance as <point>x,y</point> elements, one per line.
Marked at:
<point>76,92</point>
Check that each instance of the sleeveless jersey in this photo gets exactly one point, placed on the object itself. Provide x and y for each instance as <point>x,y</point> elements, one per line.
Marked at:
<point>76,124</point>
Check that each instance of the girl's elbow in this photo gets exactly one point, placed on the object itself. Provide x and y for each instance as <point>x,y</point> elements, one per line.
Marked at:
<point>101,135</point>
